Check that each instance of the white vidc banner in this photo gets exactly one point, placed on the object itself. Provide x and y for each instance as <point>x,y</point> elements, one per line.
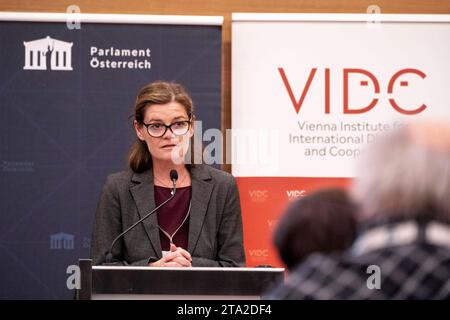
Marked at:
<point>310,90</point>
<point>323,85</point>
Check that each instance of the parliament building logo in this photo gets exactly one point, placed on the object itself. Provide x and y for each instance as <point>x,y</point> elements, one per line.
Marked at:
<point>62,241</point>
<point>48,53</point>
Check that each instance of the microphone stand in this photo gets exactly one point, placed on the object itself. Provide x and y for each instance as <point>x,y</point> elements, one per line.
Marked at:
<point>108,254</point>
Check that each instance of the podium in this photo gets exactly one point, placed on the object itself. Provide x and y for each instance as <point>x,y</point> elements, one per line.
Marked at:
<point>128,282</point>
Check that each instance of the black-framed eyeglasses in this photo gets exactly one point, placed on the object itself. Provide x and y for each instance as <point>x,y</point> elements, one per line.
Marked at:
<point>178,128</point>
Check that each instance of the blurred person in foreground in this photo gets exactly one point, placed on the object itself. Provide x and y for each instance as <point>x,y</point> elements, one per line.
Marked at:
<point>323,221</point>
<point>402,250</point>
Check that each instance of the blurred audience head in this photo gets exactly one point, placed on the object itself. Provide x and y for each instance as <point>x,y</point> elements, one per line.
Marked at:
<point>320,222</point>
<point>405,174</point>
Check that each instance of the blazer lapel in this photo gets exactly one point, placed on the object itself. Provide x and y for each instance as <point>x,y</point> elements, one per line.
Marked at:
<point>144,197</point>
<point>201,193</point>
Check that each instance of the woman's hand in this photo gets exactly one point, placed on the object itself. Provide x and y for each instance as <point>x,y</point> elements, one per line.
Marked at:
<point>177,257</point>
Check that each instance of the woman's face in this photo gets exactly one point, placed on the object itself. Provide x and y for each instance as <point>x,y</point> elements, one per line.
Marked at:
<point>169,147</point>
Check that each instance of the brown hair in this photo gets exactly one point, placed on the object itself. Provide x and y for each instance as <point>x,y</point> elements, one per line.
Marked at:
<point>323,221</point>
<point>158,92</point>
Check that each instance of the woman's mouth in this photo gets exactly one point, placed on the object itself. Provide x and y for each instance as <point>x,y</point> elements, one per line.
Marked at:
<point>168,146</point>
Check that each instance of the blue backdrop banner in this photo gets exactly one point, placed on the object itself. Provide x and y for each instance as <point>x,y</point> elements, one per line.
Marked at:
<point>65,100</point>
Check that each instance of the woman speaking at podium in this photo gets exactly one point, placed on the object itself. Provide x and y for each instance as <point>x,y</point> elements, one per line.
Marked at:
<point>198,218</point>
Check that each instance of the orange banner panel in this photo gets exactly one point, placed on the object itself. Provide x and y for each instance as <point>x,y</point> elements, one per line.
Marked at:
<point>263,200</point>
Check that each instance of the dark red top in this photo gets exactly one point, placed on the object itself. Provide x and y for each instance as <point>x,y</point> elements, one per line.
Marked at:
<point>172,214</point>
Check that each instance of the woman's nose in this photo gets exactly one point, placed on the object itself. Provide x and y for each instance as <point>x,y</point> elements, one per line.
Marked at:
<point>168,134</point>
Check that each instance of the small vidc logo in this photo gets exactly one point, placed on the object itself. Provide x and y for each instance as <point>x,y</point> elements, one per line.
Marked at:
<point>48,53</point>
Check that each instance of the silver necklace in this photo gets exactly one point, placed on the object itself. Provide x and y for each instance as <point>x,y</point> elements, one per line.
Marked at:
<point>179,227</point>
<point>170,186</point>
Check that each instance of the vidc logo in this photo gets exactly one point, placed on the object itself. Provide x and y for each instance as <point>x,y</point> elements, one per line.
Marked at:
<point>48,53</point>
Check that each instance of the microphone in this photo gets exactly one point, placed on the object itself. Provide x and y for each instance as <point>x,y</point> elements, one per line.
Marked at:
<point>174,178</point>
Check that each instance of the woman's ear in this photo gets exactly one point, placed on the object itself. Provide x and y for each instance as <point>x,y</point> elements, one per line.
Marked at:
<point>139,130</point>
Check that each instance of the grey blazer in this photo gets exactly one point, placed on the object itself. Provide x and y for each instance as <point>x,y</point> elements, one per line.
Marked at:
<point>215,223</point>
